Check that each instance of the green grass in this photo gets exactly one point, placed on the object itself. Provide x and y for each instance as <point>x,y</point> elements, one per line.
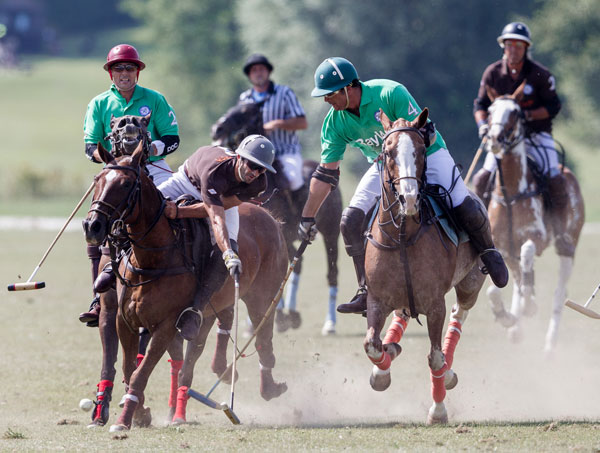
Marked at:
<point>509,397</point>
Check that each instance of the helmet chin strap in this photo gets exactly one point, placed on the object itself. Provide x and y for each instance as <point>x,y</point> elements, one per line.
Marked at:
<point>347,97</point>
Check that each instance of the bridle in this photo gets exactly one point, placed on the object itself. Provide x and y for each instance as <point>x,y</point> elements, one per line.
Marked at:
<point>120,146</point>
<point>517,135</point>
<point>387,204</point>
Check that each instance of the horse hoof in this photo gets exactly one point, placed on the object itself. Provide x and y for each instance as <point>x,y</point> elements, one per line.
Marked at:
<point>97,423</point>
<point>450,380</point>
<point>380,380</point>
<point>177,422</point>
<point>142,417</point>
<point>515,334</point>
<point>437,414</point>
<point>118,428</point>
<point>227,378</point>
<point>282,322</point>
<point>328,328</point>
<point>294,319</point>
<point>505,319</point>
<point>273,391</point>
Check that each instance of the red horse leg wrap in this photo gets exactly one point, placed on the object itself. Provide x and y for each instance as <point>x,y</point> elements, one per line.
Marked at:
<point>438,389</point>
<point>383,362</point>
<point>102,386</point>
<point>140,357</point>
<point>395,331</point>
<point>176,366</point>
<point>452,336</point>
<point>182,398</point>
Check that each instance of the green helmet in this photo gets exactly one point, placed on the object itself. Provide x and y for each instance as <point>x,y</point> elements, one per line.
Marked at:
<point>333,74</point>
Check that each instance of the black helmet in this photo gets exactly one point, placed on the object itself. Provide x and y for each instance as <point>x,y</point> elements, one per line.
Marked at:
<point>259,150</point>
<point>515,30</point>
<point>256,58</point>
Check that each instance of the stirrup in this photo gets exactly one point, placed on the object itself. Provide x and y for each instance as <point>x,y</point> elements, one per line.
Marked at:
<point>194,311</point>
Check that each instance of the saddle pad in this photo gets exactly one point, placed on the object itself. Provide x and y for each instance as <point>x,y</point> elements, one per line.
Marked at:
<point>452,234</point>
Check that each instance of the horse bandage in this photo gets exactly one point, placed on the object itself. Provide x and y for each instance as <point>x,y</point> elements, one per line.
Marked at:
<point>331,177</point>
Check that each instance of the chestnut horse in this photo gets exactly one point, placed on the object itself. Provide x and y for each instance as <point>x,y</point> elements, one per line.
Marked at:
<point>229,130</point>
<point>411,265</point>
<point>127,204</point>
<point>521,225</point>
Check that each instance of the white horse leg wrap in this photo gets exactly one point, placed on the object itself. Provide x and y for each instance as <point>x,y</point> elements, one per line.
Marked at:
<point>131,397</point>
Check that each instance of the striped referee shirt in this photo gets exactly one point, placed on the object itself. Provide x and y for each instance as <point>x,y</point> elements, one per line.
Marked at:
<point>279,102</point>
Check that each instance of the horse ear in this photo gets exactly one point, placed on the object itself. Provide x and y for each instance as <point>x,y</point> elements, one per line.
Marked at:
<point>138,154</point>
<point>491,92</point>
<point>421,120</point>
<point>146,119</point>
<point>385,121</point>
<point>519,92</point>
<point>105,155</point>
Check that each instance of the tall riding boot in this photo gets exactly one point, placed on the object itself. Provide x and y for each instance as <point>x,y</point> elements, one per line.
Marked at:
<point>352,226</point>
<point>559,214</point>
<point>215,274</point>
<point>481,186</point>
<point>471,217</point>
<point>91,316</point>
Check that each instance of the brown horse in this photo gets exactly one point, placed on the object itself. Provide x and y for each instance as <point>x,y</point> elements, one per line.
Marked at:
<point>410,265</point>
<point>229,130</point>
<point>127,204</point>
<point>520,222</point>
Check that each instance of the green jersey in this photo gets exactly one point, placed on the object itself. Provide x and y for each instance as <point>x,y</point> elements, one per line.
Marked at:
<point>365,132</point>
<point>96,125</point>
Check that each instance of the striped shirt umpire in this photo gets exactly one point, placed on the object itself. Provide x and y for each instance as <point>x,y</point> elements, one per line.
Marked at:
<point>279,102</point>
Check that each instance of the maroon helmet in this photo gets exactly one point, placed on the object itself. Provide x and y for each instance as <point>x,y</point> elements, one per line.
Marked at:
<point>123,52</point>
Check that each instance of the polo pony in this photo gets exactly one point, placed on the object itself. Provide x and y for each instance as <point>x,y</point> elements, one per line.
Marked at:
<point>157,278</point>
<point>411,264</point>
<point>520,219</point>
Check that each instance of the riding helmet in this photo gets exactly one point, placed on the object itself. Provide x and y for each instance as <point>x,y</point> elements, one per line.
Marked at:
<point>333,74</point>
<point>256,58</point>
<point>123,53</point>
<point>515,30</point>
<point>259,150</point>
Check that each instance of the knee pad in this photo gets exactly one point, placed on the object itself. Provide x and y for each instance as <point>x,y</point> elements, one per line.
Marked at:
<point>352,228</point>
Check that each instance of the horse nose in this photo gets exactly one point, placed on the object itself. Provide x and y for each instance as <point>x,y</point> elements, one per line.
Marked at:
<point>93,231</point>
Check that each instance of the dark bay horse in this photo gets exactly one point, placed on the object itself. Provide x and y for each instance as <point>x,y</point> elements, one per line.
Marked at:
<point>411,265</point>
<point>126,203</point>
<point>229,130</point>
<point>520,221</point>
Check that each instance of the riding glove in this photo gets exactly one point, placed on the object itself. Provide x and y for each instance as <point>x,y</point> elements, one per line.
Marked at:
<point>307,230</point>
<point>232,262</point>
<point>483,130</point>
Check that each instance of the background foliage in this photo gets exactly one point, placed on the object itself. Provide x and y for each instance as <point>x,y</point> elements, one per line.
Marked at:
<point>195,51</point>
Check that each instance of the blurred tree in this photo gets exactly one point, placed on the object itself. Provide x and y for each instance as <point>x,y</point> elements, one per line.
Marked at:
<point>74,17</point>
<point>567,36</point>
<point>438,49</point>
<point>197,45</point>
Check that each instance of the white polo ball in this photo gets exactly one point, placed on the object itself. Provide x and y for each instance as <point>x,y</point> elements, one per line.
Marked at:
<point>86,404</point>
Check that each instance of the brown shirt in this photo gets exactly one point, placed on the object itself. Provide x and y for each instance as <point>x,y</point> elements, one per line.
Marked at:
<point>211,169</point>
<point>540,90</point>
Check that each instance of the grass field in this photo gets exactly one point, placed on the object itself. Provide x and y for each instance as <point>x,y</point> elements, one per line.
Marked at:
<point>509,397</point>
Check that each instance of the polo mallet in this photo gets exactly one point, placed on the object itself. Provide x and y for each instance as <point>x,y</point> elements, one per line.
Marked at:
<point>205,399</point>
<point>583,309</point>
<point>234,419</point>
<point>475,159</point>
<point>38,285</point>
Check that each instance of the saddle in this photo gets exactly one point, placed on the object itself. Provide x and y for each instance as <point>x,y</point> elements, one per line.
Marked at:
<point>193,236</point>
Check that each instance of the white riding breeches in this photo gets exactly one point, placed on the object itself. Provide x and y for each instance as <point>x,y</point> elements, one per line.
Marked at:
<point>541,147</point>
<point>179,184</point>
<point>159,171</point>
<point>440,167</point>
<point>292,169</point>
